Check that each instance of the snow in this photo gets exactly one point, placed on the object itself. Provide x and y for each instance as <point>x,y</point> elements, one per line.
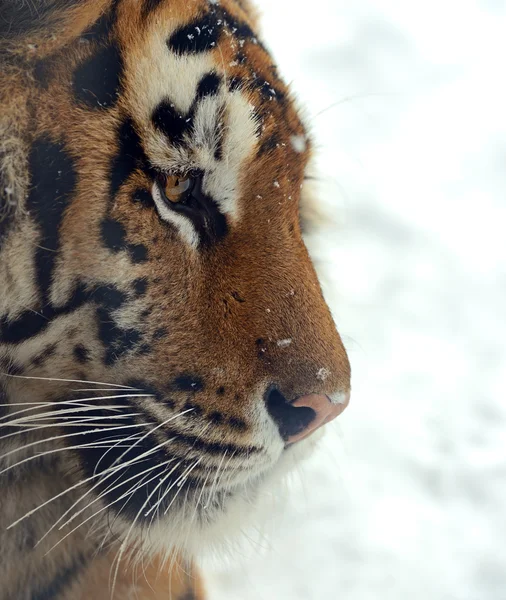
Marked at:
<point>406,498</point>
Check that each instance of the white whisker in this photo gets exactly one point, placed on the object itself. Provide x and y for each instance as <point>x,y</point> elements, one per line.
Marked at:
<point>128,493</point>
<point>112,385</point>
<point>163,423</point>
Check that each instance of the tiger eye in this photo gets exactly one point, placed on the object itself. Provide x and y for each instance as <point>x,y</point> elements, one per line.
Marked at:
<point>176,187</point>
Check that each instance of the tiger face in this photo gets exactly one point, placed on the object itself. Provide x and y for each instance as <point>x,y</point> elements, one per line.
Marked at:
<point>157,258</point>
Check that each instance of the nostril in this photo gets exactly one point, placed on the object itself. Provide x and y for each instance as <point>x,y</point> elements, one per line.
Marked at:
<point>291,420</point>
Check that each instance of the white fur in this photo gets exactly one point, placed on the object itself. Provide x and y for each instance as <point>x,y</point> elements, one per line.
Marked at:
<point>156,74</point>
<point>183,224</point>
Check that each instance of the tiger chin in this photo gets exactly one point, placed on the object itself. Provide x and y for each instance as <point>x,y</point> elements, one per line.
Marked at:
<point>166,354</point>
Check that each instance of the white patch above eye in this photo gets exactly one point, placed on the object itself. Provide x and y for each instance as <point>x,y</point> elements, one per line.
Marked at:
<point>239,141</point>
<point>154,74</point>
<point>226,119</point>
<point>183,224</point>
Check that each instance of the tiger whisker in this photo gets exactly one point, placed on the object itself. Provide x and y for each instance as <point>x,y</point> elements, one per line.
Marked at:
<point>29,427</point>
<point>111,469</point>
<point>136,486</point>
<point>123,545</point>
<point>49,418</point>
<point>56,413</point>
<point>77,402</point>
<point>162,424</point>
<point>215,481</point>
<point>58,437</point>
<point>112,385</point>
<point>48,452</point>
<point>167,491</point>
<point>109,489</point>
<point>181,479</point>
<point>101,480</point>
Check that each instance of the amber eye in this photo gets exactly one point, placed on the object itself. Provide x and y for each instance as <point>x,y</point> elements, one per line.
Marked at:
<point>177,187</point>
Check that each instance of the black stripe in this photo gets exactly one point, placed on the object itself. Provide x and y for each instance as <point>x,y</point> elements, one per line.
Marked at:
<point>102,27</point>
<point>148,7</point>
<point>130,156</point>
<point>53,180</point>
<point>62,580</point>
<point>30,323</point>
<point>210,447</point>
<point>97,81</point>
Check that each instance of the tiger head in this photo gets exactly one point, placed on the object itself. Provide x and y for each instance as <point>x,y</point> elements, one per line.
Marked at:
<point>156,289</point>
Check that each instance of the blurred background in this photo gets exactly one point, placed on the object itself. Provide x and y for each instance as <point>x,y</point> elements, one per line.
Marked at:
<point>407,496</point>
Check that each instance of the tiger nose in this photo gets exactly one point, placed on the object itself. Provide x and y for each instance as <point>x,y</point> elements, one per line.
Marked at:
<point>298,419</point>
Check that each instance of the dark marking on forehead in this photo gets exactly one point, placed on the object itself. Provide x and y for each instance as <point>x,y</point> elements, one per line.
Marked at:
<point>97,81</point>
<point>172,123</point>
<point>201,35</point>
<point>187,383</point>
<point>220,391</point>
<point>81,354</point>
<point>209,85</point>
<point>53,180</point>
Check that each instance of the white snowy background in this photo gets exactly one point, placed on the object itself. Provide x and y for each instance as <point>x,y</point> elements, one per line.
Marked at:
<point>406,499</point>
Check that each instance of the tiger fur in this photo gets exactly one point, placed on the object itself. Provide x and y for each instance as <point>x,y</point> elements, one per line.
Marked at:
<point>139,340</point>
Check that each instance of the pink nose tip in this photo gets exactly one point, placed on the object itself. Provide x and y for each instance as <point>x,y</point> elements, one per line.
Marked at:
<point>325,411</point>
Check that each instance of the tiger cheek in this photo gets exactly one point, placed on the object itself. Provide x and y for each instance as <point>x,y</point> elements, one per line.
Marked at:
<point>165,350</point>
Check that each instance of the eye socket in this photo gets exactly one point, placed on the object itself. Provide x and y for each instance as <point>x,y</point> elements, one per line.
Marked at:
<point>177,188</point>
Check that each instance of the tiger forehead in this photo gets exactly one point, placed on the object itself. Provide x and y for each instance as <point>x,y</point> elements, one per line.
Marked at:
<point>188,50</point>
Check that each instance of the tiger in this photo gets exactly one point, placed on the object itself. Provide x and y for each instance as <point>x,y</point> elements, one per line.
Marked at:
<point>166,352</point>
